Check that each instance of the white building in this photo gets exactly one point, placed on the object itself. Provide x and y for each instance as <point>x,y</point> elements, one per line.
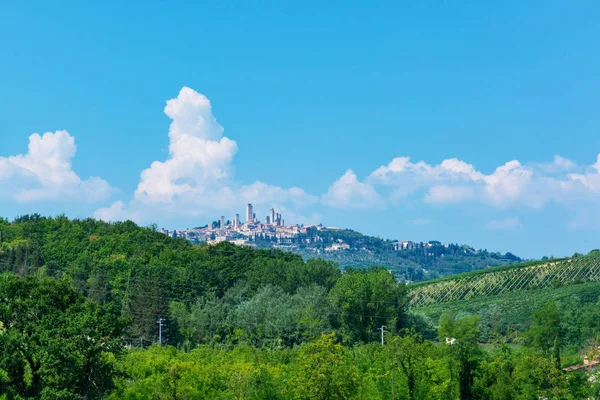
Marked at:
<point>338,246</point>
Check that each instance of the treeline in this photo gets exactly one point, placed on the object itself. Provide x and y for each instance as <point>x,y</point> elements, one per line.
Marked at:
<point>82,303</point>
<point>416,264</point>
<point>204,294</point>
<point>55,344</point>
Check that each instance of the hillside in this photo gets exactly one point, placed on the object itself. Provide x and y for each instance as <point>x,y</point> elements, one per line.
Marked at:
<point>417,261</point>
<point>144,315</point>
<point>506,298</point>
<point>507,279</point>
<point>516,308</point>
<point>145,275</point>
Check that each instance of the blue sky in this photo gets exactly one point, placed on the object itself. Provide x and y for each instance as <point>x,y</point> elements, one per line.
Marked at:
<point>314,99</point>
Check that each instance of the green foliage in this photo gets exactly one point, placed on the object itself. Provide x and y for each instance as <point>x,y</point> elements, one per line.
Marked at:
<point>286,320</point>
<point>53,344</point>
<point>413,264</point>
<point>204,373</point>
<point>366,300</point>
<point>409,354</point>
<point>546,330</point>
<point>463,347</point>
<point>322,372</point>
<point>261,324</point>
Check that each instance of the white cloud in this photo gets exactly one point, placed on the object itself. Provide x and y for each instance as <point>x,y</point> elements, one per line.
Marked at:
<point>401,171</point>
<point>590,179</point>
<point>45,172</point>
<point>262,193</point>
<point>199,158</point>
<point>349,192</point>
<point>511,184</point>
<point>558,165</point>
<point>117,211</point>
<point>508,183</point>
<point>197,177</point>
<point>509,223</point>
<point>448,194</point>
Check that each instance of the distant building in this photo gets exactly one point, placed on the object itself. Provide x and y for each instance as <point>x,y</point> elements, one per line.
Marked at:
<point>249,214</point>
<point>272,216</point>
<point>404,245</point>
<point>222,222</point>
<point>338,246</point>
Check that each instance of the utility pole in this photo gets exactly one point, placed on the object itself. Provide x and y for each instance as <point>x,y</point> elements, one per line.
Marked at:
<point>382,329</point>
<point>160,324</point>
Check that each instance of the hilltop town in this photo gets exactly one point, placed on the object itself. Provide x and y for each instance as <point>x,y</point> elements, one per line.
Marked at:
<point>349,249</point>
<point>252,230</point>
<point>273,230</point>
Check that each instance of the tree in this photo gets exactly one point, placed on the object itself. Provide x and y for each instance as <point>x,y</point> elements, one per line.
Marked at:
<point>322,373</point>
<point>366,300</point>
<point>408,353</point>
<point>54,343</point>
<point>546,331</point>
<point>277,318</point>
<point>495,378</point>
<point>464,349</point>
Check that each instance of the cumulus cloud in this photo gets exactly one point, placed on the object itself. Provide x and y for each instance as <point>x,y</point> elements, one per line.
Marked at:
<point>558,165</point>
<point>448,194</point>
<point>349,192</point>
<point>197,178</point>
<point>45,172</point>
<point>511,184</point>
<point>509,223</point>
<point>590,179</point>
<point>199,157</point>
<point>118,211</point>
<point>507,183</point>
<point>262,193</point>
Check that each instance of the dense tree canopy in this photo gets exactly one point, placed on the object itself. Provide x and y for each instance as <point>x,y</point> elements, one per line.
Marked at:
<point>80,302</point>
<point>53,344</point>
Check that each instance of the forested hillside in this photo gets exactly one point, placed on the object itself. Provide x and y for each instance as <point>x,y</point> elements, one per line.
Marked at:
<point>424,261</point>
<point>83,305</point>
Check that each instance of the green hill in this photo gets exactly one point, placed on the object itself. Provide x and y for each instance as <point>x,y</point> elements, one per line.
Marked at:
<point>83,304</point>
<point>417,262</point>
<point>506,298</point>
<point>507,279</point>
<point>516,307</point>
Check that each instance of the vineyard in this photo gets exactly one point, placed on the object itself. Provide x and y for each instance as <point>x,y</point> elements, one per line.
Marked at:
<point>507,279</point>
